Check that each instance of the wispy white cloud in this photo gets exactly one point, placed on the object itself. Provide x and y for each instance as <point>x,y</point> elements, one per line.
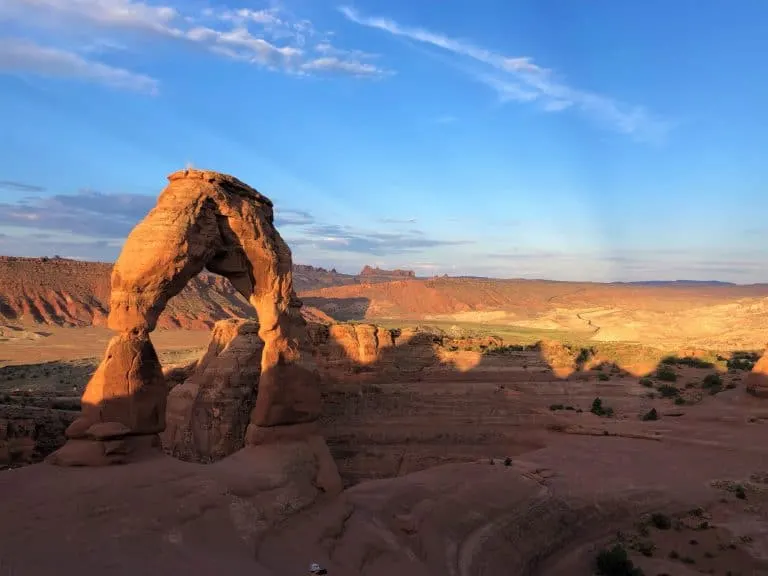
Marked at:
<point>17,55</point>
<point>334,64</point>
<point>115,13</point>
<point>520,79</point>
<point>272,38</point>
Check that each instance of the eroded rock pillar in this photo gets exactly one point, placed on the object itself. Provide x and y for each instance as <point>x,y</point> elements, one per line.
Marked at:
<point>124,399</point>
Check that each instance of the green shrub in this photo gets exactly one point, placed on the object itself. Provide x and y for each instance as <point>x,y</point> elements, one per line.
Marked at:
<point>661,521</point>
<point>668,391</point>
<point>713,383</point>
<point>666,373</point>
<point>603,377</point>
<point>645,547</point>
<point>585,354</point>
<point>647,382</point>
<point>651,415</point>
<point>599,409</point>
<point>691,361</point>
<point>680,401</point>
<point>616,562</point>
<point>742,360</point>
<point>555,407</point>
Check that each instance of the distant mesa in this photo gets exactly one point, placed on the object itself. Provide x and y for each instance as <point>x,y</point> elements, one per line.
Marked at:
<point>368,272</point>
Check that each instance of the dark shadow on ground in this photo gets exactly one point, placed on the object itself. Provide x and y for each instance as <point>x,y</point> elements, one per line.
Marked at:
<point>341,309</point>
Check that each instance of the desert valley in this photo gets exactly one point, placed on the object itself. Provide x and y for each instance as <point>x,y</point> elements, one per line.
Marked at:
<point>375,423</point>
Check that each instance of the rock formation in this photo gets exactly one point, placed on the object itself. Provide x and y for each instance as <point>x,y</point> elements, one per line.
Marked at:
<point>209,412</point>
<point>757,380</point>
<point>368,271</point>
<point>202,220</point>
<point>344,349</point>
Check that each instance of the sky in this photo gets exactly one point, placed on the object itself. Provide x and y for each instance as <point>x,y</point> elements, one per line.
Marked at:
<point>601,140</point>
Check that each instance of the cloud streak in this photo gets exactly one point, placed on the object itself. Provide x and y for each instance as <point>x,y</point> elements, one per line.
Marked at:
<point>24,56</point>
<point>86,214</point>
<point>273,39</point>
<point>338,238</point>
<point>520,79</point>
<point>15,186</point>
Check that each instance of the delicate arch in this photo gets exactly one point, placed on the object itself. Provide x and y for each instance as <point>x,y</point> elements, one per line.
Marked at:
<point>202,220</point>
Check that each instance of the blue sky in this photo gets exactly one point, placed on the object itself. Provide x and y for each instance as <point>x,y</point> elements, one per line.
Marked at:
<point>596,140</point>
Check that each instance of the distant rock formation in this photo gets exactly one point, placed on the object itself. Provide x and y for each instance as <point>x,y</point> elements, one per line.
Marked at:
<point>73,293</point>
<point>202,220</point>
<point>368,272</point>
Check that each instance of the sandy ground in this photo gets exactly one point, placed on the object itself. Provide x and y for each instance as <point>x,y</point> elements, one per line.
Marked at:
<point>35,344</point>
<point>502,470</point>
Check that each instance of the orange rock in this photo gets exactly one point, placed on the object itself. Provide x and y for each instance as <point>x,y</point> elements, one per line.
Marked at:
<point>208,413</point>
<point>202,220</point>
<point>128,388</point>
<point>757,380</point>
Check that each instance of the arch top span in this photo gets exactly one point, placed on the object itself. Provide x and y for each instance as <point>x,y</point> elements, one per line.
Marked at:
<point>202,220</point>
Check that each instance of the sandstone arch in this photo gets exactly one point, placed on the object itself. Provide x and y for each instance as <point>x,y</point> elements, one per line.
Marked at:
<point>202,220</point>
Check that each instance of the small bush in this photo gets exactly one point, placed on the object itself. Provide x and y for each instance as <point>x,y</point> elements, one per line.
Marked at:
<point>661,521</point>
<point>680,401</point>
<point>691,361</point>
<point>599,409</point>
<point>645,547</point>
<point>666,373</point>
<point>507,461</point>
<point>713,383</point>
<point>711,380</point>
<point>585,354</point>
<point>616,562</point>
<point>668,391</point>
<point>739,492</point>
<point>651,415</point>
<point>742,360</point>
<point>647,382</point>
<point>555,407</point>
<point>603,377</point>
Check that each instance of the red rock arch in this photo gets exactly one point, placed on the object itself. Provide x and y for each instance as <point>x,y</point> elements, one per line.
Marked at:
<point>202,220</point>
